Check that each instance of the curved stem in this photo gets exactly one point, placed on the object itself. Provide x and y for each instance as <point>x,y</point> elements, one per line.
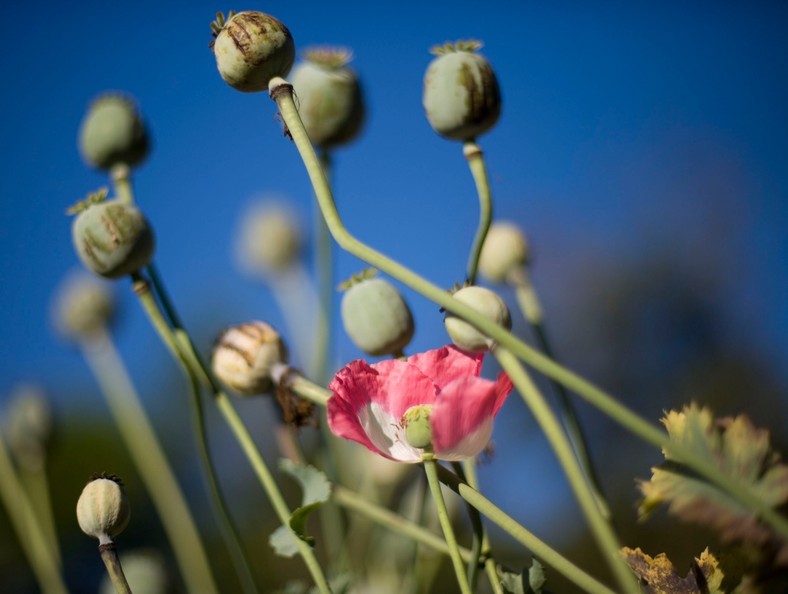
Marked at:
<point>31,535</point>
<point>324,263</point>
<point>281,92</point>
<point>601,529</point>
<point>448,531</point>
<point>110,558</point>
<point>473,154</point>
<point>151,462</point>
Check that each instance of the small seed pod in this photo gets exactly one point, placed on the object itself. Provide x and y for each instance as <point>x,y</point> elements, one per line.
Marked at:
<point>113,133</point>
<point>416,422</point>
<point>112,238</point>
<point>330,102</point>
<point>245,357</point>
<point>83,306</point>
<point>461,94</point>
<point>487,303</point>
<point>103,510</point>
<point>376,317</point>
<point>251,49</point>
<point>29,426</point>
<point>505,249</point>
<point>269,241</point>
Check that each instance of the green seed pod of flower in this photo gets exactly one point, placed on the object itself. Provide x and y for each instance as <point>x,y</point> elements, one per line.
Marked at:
<point>505,249</point>
<point>29,426</point>
<point>252,48</point>
<point>269,239</point>
<point>416,422</point>
<point>461,94</point>
<point>112,238</point>
<point>245,356</point>
<point>376,317</point>
<point>487,303</point>
<point>330,102</point>
<point>113,133</point>
<point>102,509</point>
<point>83,306</point>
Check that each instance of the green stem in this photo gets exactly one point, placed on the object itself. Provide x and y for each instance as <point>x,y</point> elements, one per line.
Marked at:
<point>448,531</point>
<point>31,535</point>
<point>476,523</point>
<point>600,528</point>
<point>110,558</point>
<point>324,261</point>
<point>222,514</point>
<point>151,462</point>
<point>36,484</point>
<point>121,180</point>
<point>528,300</point>
<point>281,92</point>
<point>539,549</point>
<point>473,154</point>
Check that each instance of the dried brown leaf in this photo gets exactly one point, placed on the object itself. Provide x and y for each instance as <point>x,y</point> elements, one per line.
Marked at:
<point>659,576</point>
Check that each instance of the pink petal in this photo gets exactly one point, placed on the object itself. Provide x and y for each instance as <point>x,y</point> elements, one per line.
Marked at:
<point>447,363</point>
<point>462,416</point>
<point>503,385</point>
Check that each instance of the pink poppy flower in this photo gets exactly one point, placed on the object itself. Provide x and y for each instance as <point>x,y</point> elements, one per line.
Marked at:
<point>369,402</point>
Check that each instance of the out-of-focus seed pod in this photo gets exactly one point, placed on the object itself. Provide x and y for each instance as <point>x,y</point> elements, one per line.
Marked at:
<point>112,238</point>
<point>83,306</point>
<point>29,425</point>
<point>330,102</point>
<point>269,239</point>
<point>145,571</point>
<point>376,317</point>
<point>505,249</point>
<point>246,355</point>
<point>461,94</point>
<point>252,48</point>
<point>113,133</point>
<point>487,303</point>
<point>102,509</point>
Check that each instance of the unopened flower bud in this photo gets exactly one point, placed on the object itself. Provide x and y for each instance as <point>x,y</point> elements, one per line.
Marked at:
<point>269,240</point>
<point>83,306</point>
<point>245,357</point>
<point>487,303</point>
<point>329,96</point>
<point>416,422</point>
<point>103,510</point>
<point>113,133</point>
<point>252,48</point>
<point>505,249</point>
<point>461,95</point>
<point>112,238</point>
<point>376,317</point>
<point>29,425</point>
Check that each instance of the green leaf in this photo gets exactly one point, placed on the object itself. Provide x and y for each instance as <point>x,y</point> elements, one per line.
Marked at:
<point>528,581</point>
<point>660,577</point>
<point>738,449</point>
<point>316,491</point>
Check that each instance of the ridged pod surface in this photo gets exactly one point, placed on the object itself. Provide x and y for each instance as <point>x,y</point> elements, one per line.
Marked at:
<point>245,355</point>
<point>252,48</point>
<point>102,509</point>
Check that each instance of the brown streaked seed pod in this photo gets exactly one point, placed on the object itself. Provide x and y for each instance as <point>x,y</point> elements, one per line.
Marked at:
<point>245,355</point>
<point>102,509</point>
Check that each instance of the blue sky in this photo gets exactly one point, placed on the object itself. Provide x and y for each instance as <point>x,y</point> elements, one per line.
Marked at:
<point>627,129</point>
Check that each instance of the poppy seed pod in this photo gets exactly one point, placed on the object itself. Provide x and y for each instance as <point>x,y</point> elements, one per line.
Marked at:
<point>461,94</point>
<point>376,317</point>
<point>269,239</point>
<point>113,133</point>
<point>329,96</point>
<point>487,303</point>
<point>112,238</point>
<point>505,249</point>
<point>29,426</point>
<point>245,356</point>
<point>102,509</point>
<point>83,306</point>
<point>252,48</point>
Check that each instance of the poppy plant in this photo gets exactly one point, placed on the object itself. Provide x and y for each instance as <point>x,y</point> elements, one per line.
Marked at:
<point>433,403</point>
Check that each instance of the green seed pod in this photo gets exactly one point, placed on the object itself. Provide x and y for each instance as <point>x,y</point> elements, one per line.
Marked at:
<point>269,239</point>
<point>29,426</point>
<point>487,303</point>
<point>505,249</point>
<point>246,355</point>
<point>251,49</point>
<point>113,133</point>
<point>416,421</point>
<point>461,94</point>
<point>376,317</point>
<point>329,96</point>
<point>83,306</point>
<point>112,238</point>
<point>102,509</point>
